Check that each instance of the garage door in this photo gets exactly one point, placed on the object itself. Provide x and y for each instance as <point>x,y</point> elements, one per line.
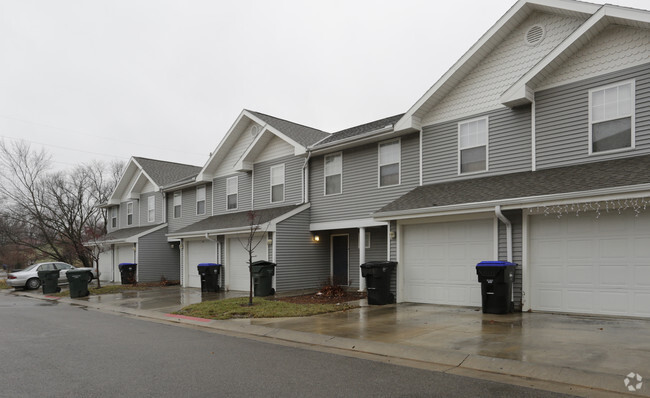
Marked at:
<point>591,265</point>
<point>106,265</point>
<point>201,251</point>
<point>237,262</point>
<point>440,261</point>
<point>125,254</point>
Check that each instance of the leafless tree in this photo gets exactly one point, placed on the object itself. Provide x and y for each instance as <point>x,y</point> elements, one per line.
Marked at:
<point>253,239</point>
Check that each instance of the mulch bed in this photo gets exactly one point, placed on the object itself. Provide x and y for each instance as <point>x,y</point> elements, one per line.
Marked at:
<point>323,298</point>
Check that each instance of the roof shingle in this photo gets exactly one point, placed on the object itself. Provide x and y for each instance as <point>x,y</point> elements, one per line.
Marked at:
<point>164,173</point>
<point>303,135</point>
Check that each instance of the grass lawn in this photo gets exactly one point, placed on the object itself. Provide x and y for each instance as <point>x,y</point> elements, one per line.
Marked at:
<point>262,308</point>
<point>3,284</point>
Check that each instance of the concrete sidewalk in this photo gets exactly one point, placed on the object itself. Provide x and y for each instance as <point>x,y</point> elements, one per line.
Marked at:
<point>593,352</point>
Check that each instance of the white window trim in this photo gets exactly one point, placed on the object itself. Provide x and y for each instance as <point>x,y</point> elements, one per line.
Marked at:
<point>236,178</point>
<point>151,210</point>
<point>180,203</point>
<point>284,185</point>
<point>129,213</point>
<point>487,145</point>
<point>368,235</point>
<point>325,175</point>
<point>399,163</point>
<point>632,118</point>
<point>205,200</point>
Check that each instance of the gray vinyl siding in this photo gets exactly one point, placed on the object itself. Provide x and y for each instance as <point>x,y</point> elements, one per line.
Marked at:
<point>301,262</point>
<point>509,145</point>
<point>378,251</point>
<point>157,259</point>
<point>562,119</point>
<point>361,194</point>
<point>122,216</point>
<point>243,193</point>
<point>515,217</point>
<point>144,208</point>
<point>292,182</point>
<point>188,208</point>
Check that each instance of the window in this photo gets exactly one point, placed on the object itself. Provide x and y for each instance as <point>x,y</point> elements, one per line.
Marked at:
<point>277,183</point>
<point>333,174</point>
<point>231,192</point>
<point>114,217</point>
<point>151,209</point>
<point>129,213</point>
<point>178,203</point>
<point>367,240</point>
<point>611,117</point>
<point>200,199</point>
<point>389,163</point>
<point>472,145</point>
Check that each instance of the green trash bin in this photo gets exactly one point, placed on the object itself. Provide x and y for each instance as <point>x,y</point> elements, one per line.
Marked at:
<point>263,272</point>
<point>78,280</point>
<point>49,281</point>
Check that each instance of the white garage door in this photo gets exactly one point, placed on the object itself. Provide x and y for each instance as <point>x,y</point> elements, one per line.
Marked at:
<point>440,261</point>
<point>591,265</point>
<point>237,262</point>
<point>202,251</point>
<point>125,254</point>
<point>106,265</point>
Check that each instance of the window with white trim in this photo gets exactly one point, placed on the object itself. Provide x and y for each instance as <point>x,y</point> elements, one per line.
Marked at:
<point>178,204</point>
<point>333,174</point>
<point>472,145</point>
<point>389,163</point>
<point>232,188</point>
<point>129,213</point>
<point>200,200</point>
<point>611,117</point>
<point>368,240</point>
<point>277,183</point>
<point>114,217</point>
<point>151,209</point>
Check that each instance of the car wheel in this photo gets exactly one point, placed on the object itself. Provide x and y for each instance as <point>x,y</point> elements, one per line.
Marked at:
<point>33,283</point>
<point>90,277</point>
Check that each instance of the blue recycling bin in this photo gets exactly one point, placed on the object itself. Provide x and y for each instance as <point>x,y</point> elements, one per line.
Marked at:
<point>127,273</point>
<point>209,273</point>
<point>496,278</point>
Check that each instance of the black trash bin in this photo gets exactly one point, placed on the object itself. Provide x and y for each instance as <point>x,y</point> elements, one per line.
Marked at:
<point>263,272</point>
<point>78,280</point>
<point>50,280</point>
<point>378,274</point>
<point>209,273</point>
<point>127,273</point>
<point>496,279</point>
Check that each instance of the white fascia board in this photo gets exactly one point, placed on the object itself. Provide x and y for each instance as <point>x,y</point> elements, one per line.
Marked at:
<point>613,193</point>
<point>345,224</point>
<point>203,175</point>
<point>122,181</point>
<point>156,187</point>
<point>298,149</point>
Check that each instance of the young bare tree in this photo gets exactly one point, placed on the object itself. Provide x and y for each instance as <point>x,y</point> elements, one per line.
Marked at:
<point>253,239</point>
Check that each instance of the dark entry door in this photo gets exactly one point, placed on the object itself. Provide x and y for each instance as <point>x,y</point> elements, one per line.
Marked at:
<point>340,259</point>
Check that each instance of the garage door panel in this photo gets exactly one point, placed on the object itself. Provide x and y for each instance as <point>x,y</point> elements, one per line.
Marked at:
<point>237,262</point>
<point>198,252</point>
<point>642,248</point>
<point>642,303</point>
<point>614,248</point>
<point>578,249</point>
<point>614,276</point>
<point>641,276</point>
<point>580,275</point>
<point>579,300</point>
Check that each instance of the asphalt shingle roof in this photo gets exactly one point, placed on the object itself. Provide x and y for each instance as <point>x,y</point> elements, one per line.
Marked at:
<point>126,233</point>
<point>361,129</point>
<point>303,135</point>
<point>236,220</point>
<point>164,173</point>
<point>578,178</point>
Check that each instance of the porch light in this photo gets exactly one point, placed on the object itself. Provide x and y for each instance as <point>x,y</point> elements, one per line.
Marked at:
<point>316,238</point>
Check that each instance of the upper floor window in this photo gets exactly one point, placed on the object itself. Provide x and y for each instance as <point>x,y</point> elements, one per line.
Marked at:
<point>178,203</point>
<point>472,145</point>
<point>611,117</point>
<point>151,209</point>
<point>389,163</point>
<point>114,217</point>
<point>232,188</point>
<point>129,213</point>
<point>277,183</point>
<point>333,173</point>
<point>200,199</point>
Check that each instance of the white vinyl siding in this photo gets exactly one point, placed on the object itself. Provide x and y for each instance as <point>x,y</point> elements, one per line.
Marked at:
<point>178,204</point>
<point>151,209</point>
<point>611,117</point>
<point>333,174</point>
<point>129,213</point>
<point>200,200</point>
<point>232,188</point>
<point>277,183</point>
<point>472,145</point>
<point>389,163</point>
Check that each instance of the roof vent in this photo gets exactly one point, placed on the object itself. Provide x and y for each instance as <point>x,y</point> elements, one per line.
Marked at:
<point>535,35</point>
<point>255,130</point>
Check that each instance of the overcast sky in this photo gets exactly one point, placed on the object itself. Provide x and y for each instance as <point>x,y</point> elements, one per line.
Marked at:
<point>166,79</point>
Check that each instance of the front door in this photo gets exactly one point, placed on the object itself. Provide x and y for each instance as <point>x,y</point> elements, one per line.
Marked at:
<point>340,259</point>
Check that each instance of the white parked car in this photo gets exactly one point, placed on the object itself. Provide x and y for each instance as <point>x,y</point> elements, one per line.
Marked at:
<point>28,278</point>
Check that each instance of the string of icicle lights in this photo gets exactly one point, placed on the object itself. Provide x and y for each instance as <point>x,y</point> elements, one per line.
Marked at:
<point>598,207</point>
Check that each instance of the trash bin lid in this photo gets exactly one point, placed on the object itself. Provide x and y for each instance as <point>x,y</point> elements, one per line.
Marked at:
<point>262,263</point>
<point>128,264</point>
<point>494,264</point>
<point>209,265</point>
<point>378,264</point>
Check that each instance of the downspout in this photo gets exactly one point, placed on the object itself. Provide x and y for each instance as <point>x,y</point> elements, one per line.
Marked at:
<point>305,178</point>
<point>207,236</point>
<point>500,216</point>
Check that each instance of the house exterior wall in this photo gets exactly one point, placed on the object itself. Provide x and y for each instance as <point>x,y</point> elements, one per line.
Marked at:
<point>122,215</point>
<point>292,181</point>
<point>509,145</point>
<point>157,259</point>
<point>243,194</point>
<point>515,217</point>
<point>188,207</point>
<point>232,156</point>
<point>562,119</point>
<point>480,90</point>
<point>276,148</point>
<point>144,208</point>
<point>361,194</point>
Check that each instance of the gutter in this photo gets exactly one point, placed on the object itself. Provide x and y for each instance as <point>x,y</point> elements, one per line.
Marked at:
<point>504,219</point>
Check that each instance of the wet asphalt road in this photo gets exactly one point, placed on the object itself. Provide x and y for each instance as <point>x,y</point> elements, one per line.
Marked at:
<point>50,349</point>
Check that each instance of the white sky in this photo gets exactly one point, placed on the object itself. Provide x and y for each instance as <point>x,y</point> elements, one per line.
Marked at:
<point>166,79</point>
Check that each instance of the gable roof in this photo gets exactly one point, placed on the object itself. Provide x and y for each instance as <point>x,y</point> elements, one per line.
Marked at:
<point>163,173</point>
<point>302,134</point>
<point>129,235</point>
<point>525,187</point>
